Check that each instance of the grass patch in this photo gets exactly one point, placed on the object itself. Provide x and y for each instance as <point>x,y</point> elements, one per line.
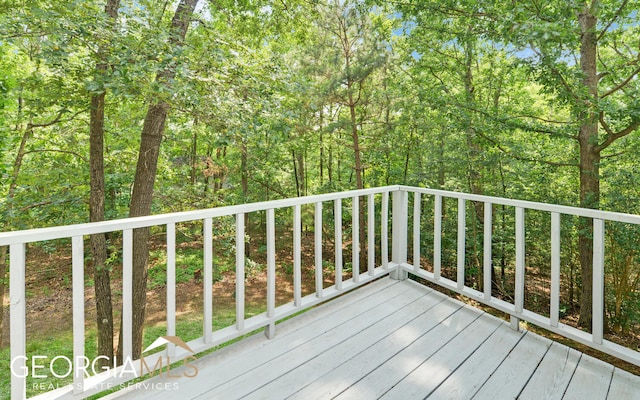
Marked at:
<point>189,266</point>
<point>43,351</point>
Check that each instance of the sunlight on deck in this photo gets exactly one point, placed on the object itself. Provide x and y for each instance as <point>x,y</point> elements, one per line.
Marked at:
<point>399,339</point>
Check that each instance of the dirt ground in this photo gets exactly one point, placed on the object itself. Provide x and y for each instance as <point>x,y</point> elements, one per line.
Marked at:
<point>49,295</point>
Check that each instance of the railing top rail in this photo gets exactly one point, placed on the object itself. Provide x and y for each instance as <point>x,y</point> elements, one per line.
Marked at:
<point>569,210</point>
<point>60,232</point>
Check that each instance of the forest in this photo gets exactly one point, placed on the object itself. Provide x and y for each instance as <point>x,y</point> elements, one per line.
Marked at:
<point>122,108</point>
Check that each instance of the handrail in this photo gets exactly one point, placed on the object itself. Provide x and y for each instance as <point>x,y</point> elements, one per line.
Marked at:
<point>91,228</point>
<point>84,386</point>
<point>397,266</point>
<point>517,310</point>
<point>532,205</point>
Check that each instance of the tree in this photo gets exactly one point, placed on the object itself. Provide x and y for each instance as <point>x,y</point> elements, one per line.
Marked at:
<point>459,79</point>
<point>582,54</point>
<point>98,244</point>
<point>579,53</point>
<point>142,194</point>
<point>358,52</point>
<point>36,99</point>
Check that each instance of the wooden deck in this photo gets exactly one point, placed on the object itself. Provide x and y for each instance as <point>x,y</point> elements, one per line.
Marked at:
<point>395,340</point>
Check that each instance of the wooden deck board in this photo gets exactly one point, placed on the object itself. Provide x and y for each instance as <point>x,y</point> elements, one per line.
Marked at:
<point>417,333</point>
<point>404,372</point>
<point>485,345</point>
<point>311,370</point>
<point>396,340</point>
<point>476,369</point>
<point>591,380</point>
<point>277,366</point>
<point>232,361</point>
<point>623,386</point>
<point>514,372</point>
<point>551,378</point>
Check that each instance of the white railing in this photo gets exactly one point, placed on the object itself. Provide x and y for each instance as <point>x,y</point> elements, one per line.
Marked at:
<point>594,339</point>
<point>397,266</point>
<point>84,386</point>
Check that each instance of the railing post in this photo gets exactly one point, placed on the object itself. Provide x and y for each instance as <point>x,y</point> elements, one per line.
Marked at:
<point>171,286</point>
<point>337,224</point>
<point>318,249</point>
<point>520,268</point>
<point>207,320</point>
<point>437,237</point>
<point>127,294</point>
<point>77,260</point>
<point>355,238</point>
<point>399,234</point>
<point>555,270</point>
<point>297,256</point>
<point>371,235</point>
<point>18,317</point>
<point>270,330</point>
<point>598,281</point>
<point>417,202</point>
<point>240,263</point>
<point>487,250</point>
<point>462,237</point>
<point>384,230</point>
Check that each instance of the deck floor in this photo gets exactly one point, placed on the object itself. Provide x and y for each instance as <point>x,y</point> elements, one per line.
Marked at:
<point>395,340</point>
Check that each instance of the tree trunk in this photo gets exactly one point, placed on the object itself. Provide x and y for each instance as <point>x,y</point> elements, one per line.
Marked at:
<point>321,145</point>
<point>244,173</point>
<point>359,181</point>
<point>339,158</point>
<point>410,144</point>
<point>98,243</point>
<point>193,159</point>
<point>244,183</point>
<point>330,165</point>
<point>141,200</point>
<point>306,173</point>
<point>473,147</point>
<point>589,158</point>
<point>301,175</point>
<point>17,164</point>
<point>142,195</point>
<point>13,183</point>
<point>295,173</point>
<point>299,172</point>
<point>441,160</point>
<point>221,154</point>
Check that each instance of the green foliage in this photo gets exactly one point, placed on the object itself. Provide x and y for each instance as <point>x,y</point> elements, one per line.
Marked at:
<point>188,267</point>
<point>458,95</point>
